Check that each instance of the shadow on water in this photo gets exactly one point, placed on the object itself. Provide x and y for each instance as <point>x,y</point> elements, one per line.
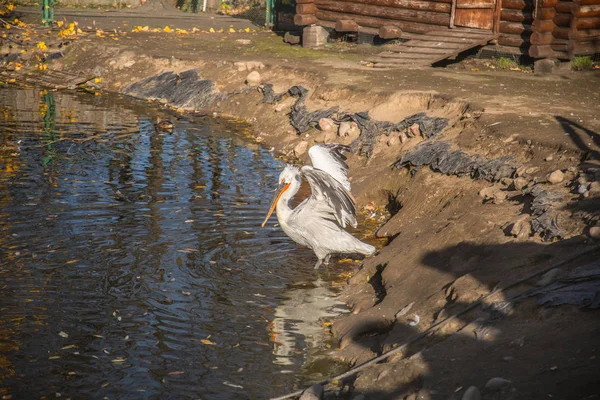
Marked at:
<point>132,262</point>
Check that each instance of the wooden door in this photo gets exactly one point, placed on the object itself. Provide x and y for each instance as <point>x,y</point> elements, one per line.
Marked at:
<point>474,13</point>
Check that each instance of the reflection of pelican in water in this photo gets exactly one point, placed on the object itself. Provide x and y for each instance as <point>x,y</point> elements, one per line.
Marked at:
<point>297,323</point>
<point>319,221</point>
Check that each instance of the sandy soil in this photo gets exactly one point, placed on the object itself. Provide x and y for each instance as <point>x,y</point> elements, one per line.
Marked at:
<point>446,246</point>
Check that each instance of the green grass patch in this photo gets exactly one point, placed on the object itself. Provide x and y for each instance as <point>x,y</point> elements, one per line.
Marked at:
<point>581,63</point>
<point>506,63</point>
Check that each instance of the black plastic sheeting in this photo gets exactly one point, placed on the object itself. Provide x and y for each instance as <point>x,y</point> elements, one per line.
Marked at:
<point>581,287</point>
<point>184,90</point>
<point>439,156</point>
<point>370,129</point>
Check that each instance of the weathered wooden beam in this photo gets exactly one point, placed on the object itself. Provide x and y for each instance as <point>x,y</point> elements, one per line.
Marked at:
<point>506,39</point>
<point>346,25</point>
<point>547,3</point>
<point>545,51</point>
<point>589,2</point>
<point>390,32</point>
<point>374,22</point>
<point>540,25</point>
<point>304,1</point>
<point>583,48</point>
<point>541,38</point>
<point>388,13</point>
<point>516,5</point>
<point>517,16</point>
<point>545,13</point>
<point>562,19</point>
<point>309,8</point>
<point>425,5</point>
<point>588,23</point>
<point>514,27</point>
<point>587,11</point>
<point>305,19</point>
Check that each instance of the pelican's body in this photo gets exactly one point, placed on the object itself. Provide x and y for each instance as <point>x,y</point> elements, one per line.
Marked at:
<point>319,221</point>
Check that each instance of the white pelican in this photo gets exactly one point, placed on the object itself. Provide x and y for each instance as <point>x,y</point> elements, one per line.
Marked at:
<point>319,220</point>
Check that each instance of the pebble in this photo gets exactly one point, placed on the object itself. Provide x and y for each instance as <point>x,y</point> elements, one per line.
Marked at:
<point>594,187</point>
<point>595,232</point>
<point>414,130</point>
<point>581,189</point>
<point>349,129</point>
<point>493,193</point>
<point>520,182</point>
<point>531,170</point>
<point>496,384</point>
<point>529,142</point>
<point>300,148</point>
<point>392,141</point>
<point>244,41</point>
<point>549,158</point>
<point>253,78</point>
<point>472,393</point>
<point>326,124</point>
<point>521,228</point>
<point>402,136</point>
<point>279,107</point>
<point>315,392</point>
<point>548,277</point>
<point>253,65</point>
<point>556,177</point>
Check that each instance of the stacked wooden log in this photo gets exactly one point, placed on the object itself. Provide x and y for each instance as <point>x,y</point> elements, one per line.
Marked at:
<point>305,12</point>
<point>386,18</point>
<point>583,32</point>
<point>543,42</point>
<point>515,28</point>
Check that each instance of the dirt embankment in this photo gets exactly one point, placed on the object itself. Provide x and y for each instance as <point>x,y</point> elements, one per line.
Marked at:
<point>470,189</point>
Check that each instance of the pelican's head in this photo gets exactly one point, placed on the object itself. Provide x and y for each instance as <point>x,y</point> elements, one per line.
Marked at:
<point>287,178</point>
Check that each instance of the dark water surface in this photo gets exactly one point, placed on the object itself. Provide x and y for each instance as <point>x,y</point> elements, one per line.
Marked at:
<point>132,262</point>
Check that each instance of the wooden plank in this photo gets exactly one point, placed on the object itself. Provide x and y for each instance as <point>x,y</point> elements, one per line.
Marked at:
<point>475,18</point>
<point>453,13</point>
<point>436,45</point>
<point>428,17</point>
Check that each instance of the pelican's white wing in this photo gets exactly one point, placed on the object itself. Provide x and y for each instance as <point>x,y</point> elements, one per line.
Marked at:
<point>330,158</point>
<point>329,197</point>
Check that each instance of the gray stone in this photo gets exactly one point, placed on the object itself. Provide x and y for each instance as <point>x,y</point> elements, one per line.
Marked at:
<point>595,232</point>
<point>472,393</point>
<point>292,38</point>
<point>582,188</point>
<point>496,384</point>
<point>326,124</point>
<point>253,78</point>
<point>314,36</point>
<point>556,177</point>
<point>254,65</point>
<point>315,392</point>
<point>542,67</point>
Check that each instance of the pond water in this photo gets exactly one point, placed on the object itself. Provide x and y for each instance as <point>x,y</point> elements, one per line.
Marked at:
<point>132,262</point>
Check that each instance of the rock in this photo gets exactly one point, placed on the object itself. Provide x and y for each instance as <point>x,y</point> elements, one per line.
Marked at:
<point>528,142</point>
<point>280,107</point>
<point>326,124</point>
<point>582,188</point>
<point>244,41</point>
<point>413,131</point>
<point>240,65</point>
<point>493,193</point>
<point>254,65</point>
<point>472,393</point>
<point>349,129</point>
<point>531,170</point>
<point>292,38</point>
<point>520,182</point>
<point>402,137</point>
<point>359,397</point>
<point>496,384</point>
<point>549,158</point>
<point>300,148</point>
<point>521,228</point>
<point>392,141</point>
<point>555,177</point>
<point>544,66</point>
<point>594,187</point>
<point>595,232</point>
<point>315,392</point>
<point>548,277</point>
<point>253,78</point>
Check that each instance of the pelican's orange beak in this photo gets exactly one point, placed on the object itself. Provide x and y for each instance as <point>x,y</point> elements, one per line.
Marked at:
<point>275,200</point>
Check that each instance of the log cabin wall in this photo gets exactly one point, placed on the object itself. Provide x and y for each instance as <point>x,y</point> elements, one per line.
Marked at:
<point>385,18</point>
<point>540,28</point>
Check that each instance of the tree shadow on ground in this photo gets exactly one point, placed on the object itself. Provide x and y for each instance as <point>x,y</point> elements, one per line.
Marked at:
<point>581,137</point>
<point>517,340</point>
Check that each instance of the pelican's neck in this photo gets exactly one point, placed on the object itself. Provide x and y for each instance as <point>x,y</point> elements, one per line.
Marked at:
<point>283,205</point>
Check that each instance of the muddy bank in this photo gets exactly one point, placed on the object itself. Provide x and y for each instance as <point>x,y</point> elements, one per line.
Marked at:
<point>464,181</point>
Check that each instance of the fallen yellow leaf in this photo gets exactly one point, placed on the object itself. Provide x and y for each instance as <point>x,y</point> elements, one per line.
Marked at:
<point>211,30</point>
<point>206,341</point>
<point>41,46</point>
<point>167,29</point>
<point>98,80</point>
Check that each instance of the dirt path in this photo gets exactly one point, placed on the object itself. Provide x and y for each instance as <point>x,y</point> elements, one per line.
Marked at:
<point>454,230</point>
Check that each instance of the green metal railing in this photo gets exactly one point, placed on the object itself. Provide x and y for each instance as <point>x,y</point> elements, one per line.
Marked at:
<point>47,12</point>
